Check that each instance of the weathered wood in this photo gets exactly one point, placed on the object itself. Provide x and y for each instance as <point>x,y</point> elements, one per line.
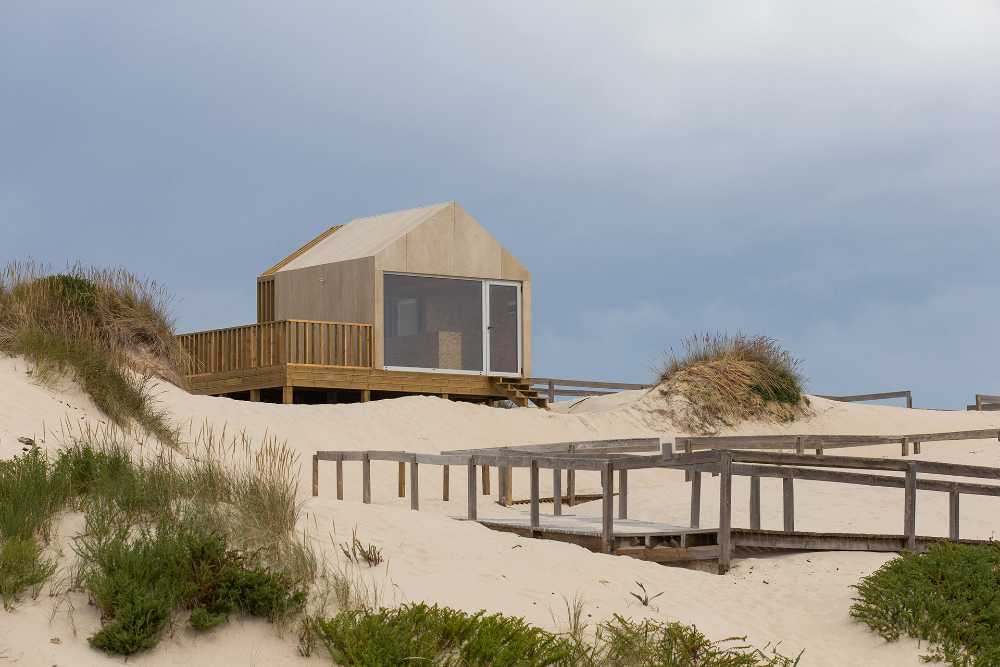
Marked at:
<point>725,510</point>
<point>439,459</point>
<point>556,492</point>
<point>509,484</point>
<point>445,483</point>
<point>533,508</point>
<point>607,507</point>
<point>874,397</point>
<point>402,479</point>
<point>953,500</point>
<point>287,395</point>
<point>799,447</point>
<point>905,446</point>
<point>754,502</point>
<point>788,504</point>
<point>414,485</point>
<point>695,498</point>
<point>671,554</point>
<point>255,395</point>
<point>586,383</point>
<point>315,475</point>
<point>910,508</point>
<point>340,478</point>
<point>471,489</point>
<point>623,493</point>
<point>486,480</point>
<point>366,479</point>
<point>571,486</point>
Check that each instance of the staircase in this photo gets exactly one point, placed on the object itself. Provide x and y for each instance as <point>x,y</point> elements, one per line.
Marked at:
<point>519,392</point>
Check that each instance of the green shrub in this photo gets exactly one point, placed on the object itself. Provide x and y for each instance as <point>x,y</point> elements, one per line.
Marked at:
<point>947,596</point>
<point>442,636</point>
<point>21,565</point>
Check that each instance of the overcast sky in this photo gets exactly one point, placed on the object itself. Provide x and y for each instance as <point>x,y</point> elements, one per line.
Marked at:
<point>826,173</point>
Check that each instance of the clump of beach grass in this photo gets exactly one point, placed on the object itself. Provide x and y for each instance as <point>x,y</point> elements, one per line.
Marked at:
<point>108,329</point>
<point>722,380</point>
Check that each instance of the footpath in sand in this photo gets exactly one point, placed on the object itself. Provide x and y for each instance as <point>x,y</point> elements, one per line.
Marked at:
<point>800,601</point>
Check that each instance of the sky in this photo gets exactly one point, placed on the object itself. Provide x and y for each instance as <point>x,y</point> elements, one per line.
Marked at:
<point>827,174</point>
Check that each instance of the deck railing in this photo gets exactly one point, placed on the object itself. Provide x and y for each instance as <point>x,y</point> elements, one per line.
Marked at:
<point>341,344</point>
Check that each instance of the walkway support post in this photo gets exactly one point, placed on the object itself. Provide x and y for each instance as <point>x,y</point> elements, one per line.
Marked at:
<point>315,471</point>
<point>910,507</point>
<point>445,483</point>
<point>953,497</point>
<point>533,510</point>
<point>557,492</point>
<point>366,479</point>
<point>788,503</point>
<point>725,509</point>
<point>623,493</point>
<point>607,507</point>
<point>695,497</point>
<point>340,476</point>
<point>755,503</point>
<point>471,488</point>
<point>414,484</point>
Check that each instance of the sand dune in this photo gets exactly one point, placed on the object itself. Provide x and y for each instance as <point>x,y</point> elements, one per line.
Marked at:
<point>798,600</point>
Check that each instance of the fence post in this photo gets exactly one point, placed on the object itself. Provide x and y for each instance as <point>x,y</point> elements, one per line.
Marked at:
<point>725,509</point>
<point>556,492</point>
<point>509,486</point>
<point>910,507</point>
<point>445,483</point>
<point>366,479</point>
<point>909,399</point>
<point>905,446</point>
<point>486,480</point>
<point>571,486</point>
<point>340,476</point>
<point>607,507</point>
<point>755,503</point>
<point>402,479</point>
<point>315,475</point>
<point>623,493</point>
<point>471,487</point>
<point>552,391</point>
<point>695,497</point>
<point>799,447</point>
<point>788,503</point>
<point>687,450</point>
<point>953,514</point>
<point>414,484</point>
<point>533,510</point>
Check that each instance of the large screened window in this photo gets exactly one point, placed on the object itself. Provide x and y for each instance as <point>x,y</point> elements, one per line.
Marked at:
<point>433,323</point>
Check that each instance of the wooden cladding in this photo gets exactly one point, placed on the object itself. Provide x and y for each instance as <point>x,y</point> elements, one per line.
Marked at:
<point>265,299</point>
<point>339,344</point>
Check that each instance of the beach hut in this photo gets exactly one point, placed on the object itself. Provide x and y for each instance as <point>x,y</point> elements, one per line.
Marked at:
<point>421,301</point>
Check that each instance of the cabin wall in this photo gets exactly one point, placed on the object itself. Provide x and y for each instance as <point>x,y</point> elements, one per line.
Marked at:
<point>340,292</point>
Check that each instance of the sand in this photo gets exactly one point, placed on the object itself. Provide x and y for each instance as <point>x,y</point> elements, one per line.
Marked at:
<point>800,601</point>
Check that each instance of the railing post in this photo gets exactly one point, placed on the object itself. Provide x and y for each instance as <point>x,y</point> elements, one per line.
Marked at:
<point>623,493</point>
<point>799,447</point>
<point>445,483</point>
<point>695,497</point>
<point>366,479</point>
<point>509,484</point>
<point>607,507</point>
<point>533,510</point>
<point>916,446</point>
<point>552,391</point>
<point>909,399</point>
<point>402,479</point>
<point>725,509</point>
<point>486,480</point>
<point>953,497</point>
<point>687,450</point>
<point>905,446</point>
<point>755,503</point>
<point>315,472</point>
<point>788,503</point>
<point>471,488</point>
<point>502,484</point>
<point>910,507</point>
<point>556,492</point>
<point>340,476</point>
<point>414,484</point>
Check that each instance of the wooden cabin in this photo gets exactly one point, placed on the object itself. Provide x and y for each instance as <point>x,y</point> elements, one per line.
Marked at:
<point>422,301</point>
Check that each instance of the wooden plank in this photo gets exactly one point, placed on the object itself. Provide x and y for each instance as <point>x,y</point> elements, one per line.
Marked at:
<point>671,554</point>
<point>910,508</point>
<point>366,479</point>
<point>872,397</point>
<point>533,509</point>
<point>695,498</point>
<point>623,493</point>
<point>788,503</point>
<point>471,489</point>
<point>755,502</point>
<point>556,492</point>
<point>440,459</point>
<point>607,507</point>
<point>953,501</point>
<point>315,475</point>
<point>855,462</point>
<point>340,478</point>
<point>287,395</point>
<point>445,484</point>
<point>725,510</point>
<point>586,383</point>
<point>414,485</point>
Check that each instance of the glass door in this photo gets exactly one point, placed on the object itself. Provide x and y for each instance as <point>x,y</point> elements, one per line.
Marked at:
<point>503,329</point>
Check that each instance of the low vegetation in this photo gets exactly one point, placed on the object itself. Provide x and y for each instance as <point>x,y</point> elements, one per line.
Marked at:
<point>108,329</point>
<point>946,597</point>
<point>443,636</point>
<point>210,531</point>
<point>720,380</point>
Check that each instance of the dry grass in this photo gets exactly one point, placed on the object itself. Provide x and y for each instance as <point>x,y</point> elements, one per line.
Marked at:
<point>109,330</point>
<point>720,380</point>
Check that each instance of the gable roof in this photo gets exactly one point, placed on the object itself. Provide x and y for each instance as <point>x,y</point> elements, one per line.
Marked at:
<point>361,237</point>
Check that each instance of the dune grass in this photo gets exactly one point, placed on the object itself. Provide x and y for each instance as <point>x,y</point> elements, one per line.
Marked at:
<point>947,597</point>
<point>726,379</point>
<point>443,636</point>
<point>108,329</point>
